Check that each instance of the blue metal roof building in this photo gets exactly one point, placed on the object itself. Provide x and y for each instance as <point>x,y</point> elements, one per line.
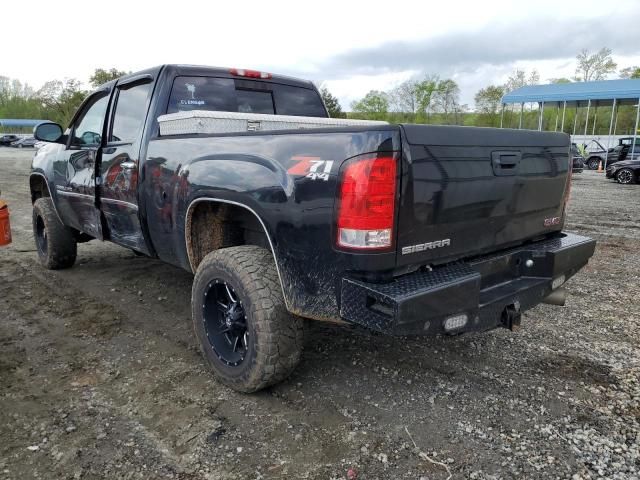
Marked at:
<point>603,92</point>
<point>579,94</point>
<point>19,122</point>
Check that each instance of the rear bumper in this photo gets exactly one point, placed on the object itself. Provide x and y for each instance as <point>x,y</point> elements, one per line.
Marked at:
<point>490,291</point>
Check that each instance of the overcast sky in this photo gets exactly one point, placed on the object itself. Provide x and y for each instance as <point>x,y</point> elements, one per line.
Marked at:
<point>351,46</point>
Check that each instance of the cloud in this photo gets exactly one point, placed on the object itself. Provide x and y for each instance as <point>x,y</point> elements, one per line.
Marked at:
<point>497,44</point>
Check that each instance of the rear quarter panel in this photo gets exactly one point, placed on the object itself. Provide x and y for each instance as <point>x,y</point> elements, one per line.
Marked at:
<point>268,174</point>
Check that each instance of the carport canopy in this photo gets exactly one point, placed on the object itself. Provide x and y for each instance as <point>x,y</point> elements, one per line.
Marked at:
<point>579,94</point>
<point>602,92</point>
<point>20,122</point>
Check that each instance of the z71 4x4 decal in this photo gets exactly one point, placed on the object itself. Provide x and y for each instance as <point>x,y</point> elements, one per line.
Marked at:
<point>311,167</point>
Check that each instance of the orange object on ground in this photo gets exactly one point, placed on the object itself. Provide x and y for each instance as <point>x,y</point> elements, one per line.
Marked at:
<point>5,227</point>
<point>600,170</point>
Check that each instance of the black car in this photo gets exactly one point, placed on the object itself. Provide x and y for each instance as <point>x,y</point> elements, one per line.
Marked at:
<point>27,142</point>
<point>578,159</point>
<point>626,171</point>
<point>6,140</point>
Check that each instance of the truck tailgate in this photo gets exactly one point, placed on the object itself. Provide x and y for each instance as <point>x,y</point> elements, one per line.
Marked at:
<point>467,191</point>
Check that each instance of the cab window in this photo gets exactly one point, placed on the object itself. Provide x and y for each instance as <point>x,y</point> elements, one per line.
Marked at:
<point>87,130</point>
<point>131,109</point>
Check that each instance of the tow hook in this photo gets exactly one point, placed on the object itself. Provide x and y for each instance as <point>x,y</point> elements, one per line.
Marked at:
<point>511,316</point>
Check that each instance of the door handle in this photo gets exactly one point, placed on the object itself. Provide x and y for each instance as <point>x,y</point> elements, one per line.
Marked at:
<point>128,165</point>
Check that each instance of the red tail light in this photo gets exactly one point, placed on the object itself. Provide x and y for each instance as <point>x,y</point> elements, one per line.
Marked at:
<point>366,202</point>
<point>241,72</point>
<point>567,188</point>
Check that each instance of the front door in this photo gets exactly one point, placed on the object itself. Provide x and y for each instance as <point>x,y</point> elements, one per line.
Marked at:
<point>75,170</point>
<point>120,161</point>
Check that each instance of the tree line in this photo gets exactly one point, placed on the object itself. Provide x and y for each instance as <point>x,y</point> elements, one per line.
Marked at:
<point>57,100</point>
<point>427,99</point>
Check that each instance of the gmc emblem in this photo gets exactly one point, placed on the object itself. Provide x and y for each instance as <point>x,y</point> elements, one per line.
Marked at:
<point>550,222</point>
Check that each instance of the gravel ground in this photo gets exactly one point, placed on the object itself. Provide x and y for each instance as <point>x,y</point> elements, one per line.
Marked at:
<point>100,376</point>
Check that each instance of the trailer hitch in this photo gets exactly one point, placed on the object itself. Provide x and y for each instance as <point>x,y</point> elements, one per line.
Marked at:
<point>511,316</point>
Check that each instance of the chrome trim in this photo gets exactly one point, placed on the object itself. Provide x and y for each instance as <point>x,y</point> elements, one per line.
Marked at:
<point>74,194</point>
<point>119,202</point>
<point>46,182</point>
<point>266,232</point>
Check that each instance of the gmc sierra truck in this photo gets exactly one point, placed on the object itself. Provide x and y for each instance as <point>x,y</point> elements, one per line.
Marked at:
<point>284,214</point>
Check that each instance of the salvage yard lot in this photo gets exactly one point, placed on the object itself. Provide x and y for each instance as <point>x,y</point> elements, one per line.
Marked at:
<point>100,375</point>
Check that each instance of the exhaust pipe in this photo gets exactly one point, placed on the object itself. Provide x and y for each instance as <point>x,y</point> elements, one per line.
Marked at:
<point>557,297</point>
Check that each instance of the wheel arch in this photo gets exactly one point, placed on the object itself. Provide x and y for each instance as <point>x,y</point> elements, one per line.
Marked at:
<point>198,220</point>
<point>39,188</point>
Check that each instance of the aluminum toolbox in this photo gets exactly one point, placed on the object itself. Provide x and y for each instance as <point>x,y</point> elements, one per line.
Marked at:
<point>203,121</point>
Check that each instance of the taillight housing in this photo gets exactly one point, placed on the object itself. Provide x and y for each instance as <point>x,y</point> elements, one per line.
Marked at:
<point>567,189</point>
<point>366,202</point>
<point>243,72</point>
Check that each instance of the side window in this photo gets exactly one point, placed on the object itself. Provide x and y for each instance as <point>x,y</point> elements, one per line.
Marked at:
<point>88,128</point>
<point>131,109</point>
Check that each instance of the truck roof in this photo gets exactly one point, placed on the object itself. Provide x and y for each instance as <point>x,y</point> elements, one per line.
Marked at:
<point>203,70</point>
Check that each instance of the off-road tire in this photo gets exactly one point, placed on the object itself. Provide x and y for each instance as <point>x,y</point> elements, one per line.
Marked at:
<point>59,248</point>
<point>275,336</point>
<point>625,176</point>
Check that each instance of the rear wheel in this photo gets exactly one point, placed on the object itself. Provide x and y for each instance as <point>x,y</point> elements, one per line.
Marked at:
<point>55,243</point>
<point>593,163</point>
<point>247,335</point>
<point>625,176</point>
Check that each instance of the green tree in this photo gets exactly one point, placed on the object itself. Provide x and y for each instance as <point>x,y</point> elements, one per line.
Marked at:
<point>101,76</point>
<point>594,67</point>
<point>332,103</point>
<point>61,99</point>
<point>559,80</point>
<point>375,105</point>
<point>488,101</point>
<point>520,78</point>
<point>414,97</point>
<point>630,72</point>
<point>446,99</point>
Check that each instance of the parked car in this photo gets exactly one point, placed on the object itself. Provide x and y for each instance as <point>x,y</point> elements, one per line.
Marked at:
<point>578,159</point>
<point>6,140</point>
<point>284,213</point>
<point>616,154</point>
<point>26,142</point>
<point>625,172</point>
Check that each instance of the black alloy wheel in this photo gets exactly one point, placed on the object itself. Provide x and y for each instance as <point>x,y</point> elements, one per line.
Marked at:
<point>225,323</point>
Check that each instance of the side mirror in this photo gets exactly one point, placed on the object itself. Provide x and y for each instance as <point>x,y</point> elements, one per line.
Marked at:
<point>48,132</point>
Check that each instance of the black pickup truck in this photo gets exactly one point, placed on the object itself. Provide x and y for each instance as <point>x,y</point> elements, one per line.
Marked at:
<point>403,229</point>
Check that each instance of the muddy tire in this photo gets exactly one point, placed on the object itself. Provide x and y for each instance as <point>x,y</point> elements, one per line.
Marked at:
<point>246,334</point>
<point>56,246</point>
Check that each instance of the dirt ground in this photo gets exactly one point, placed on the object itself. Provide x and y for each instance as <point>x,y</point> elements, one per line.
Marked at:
<point>100,376</point>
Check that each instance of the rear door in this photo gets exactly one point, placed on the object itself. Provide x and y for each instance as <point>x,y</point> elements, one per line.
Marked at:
<point>466,191</point>
<point>120,161</point>
<point>75,170</point>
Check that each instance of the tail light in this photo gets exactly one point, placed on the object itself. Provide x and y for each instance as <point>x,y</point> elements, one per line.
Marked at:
<point>241,72</point>
<point>366,202</point>
<point>567,188</point>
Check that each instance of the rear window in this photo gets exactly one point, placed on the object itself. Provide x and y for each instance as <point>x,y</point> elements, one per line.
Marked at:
<point>245,96</point>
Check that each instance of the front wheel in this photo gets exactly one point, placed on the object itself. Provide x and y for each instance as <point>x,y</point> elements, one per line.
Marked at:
<point>593,163</point>
<point>246,334</point>
<point>56,246</point>
<point>625,176</point>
